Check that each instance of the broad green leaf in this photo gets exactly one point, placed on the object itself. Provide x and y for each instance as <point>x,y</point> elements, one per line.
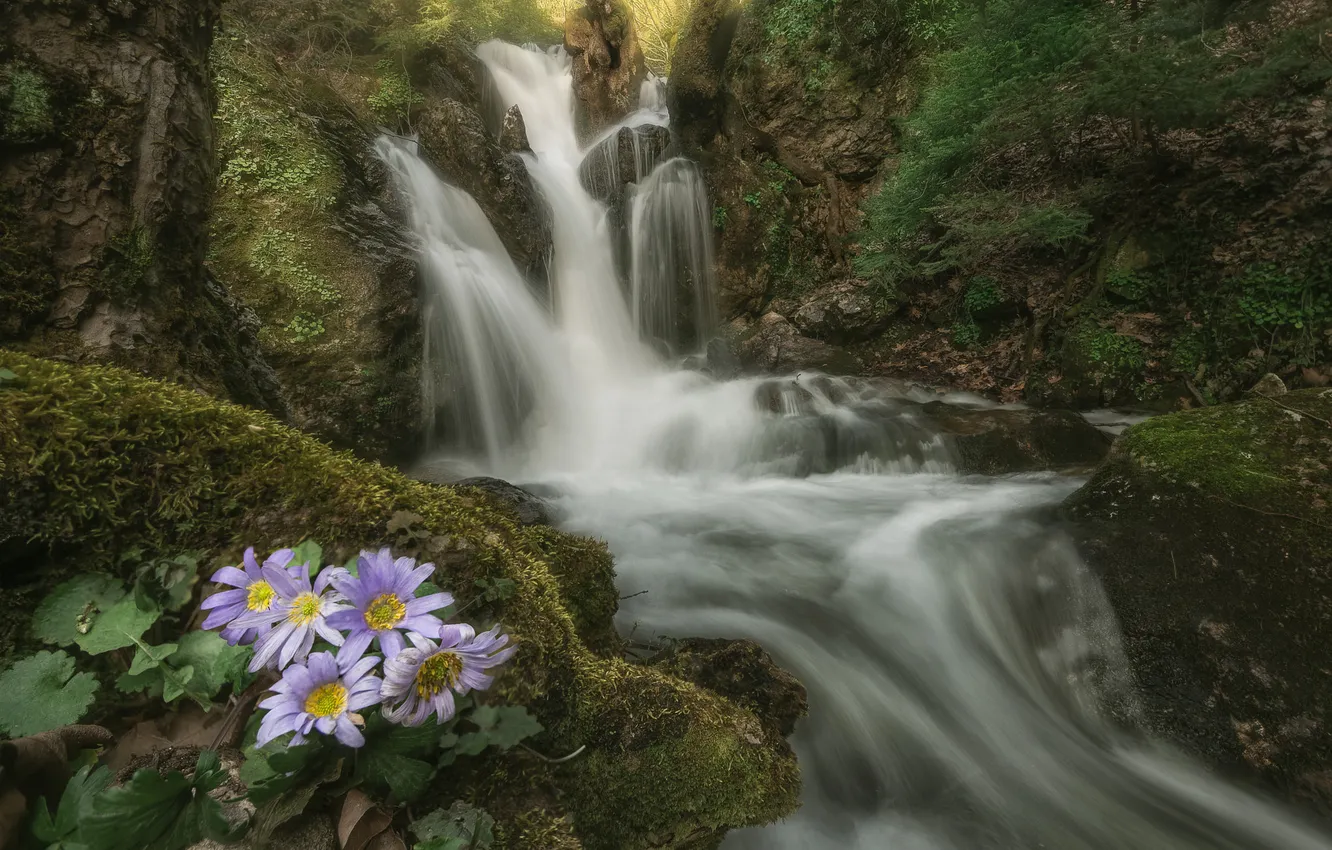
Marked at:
<point>75,803</point>
<point>72,608</point>
<point>311,554</point>
<point>276,768</point>
<point>162,812</point>
<point>150,681</point>
<point>216,663</point>
<point>505,726</point>
<point>149,657</point>
<point>43,692</point>
<point>406,778</point>
<point>462,826</point>
<point>7,377</point>
<point>119,626</point>
<point>473,743</point>
<point>289,804</point>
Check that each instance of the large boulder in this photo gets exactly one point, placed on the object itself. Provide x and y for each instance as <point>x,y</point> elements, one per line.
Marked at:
<point>841,313</point>
<point>773,345</point>
<point>1212,533</point>
<point>95,461</point>
<point>997,441</point>
<point>608,63</point>
<point>107,166</point>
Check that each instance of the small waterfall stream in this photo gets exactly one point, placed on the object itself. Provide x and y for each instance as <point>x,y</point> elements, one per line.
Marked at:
<point>957,653</point>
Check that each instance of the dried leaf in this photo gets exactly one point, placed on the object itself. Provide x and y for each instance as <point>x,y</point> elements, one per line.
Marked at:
<point>360,822</point>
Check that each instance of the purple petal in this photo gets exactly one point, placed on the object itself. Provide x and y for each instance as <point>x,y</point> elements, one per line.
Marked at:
<point>355,646</point>
<point>391,642</point>
<point>268,645</point>
<point>365,698</point>
<point>297,645</point>
<point>346,732</point>
<point>282,581</point>
<point>444,705</point>
<point>223,616</point>
<point>251,563</point>
<point>281,558</point>
<point>360,668</point>
<point>452,634</point>
<point>410,579</point>
<point>225,597</point>
<point>231,576</point>
<point>325,725</point>
<point>423,624</point>
<point>346,619</point>
<point>428,604</point>
<point>323,668</point>
<point>422,642</point>
<point>333,636</point>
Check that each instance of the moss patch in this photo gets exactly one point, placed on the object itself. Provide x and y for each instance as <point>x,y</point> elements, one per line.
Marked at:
<point>98,460</point>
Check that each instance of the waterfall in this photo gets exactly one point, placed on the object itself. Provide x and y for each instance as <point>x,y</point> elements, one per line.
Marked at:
<point>956,651</point>
<point>490,357</point>
<point>670,227</point>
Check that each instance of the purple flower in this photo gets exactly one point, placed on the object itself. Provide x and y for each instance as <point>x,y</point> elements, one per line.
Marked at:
<point>300,613</point>
<point>419,682</point>
<point>254,596</point>
<point>320,696</point>
<point>383,601</point>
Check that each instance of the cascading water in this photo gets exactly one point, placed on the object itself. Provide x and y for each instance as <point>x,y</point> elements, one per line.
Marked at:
<point>671,259</point>
<point>960,660</point>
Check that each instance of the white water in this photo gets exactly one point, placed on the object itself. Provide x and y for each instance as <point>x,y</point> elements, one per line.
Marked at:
<point>960,660</point>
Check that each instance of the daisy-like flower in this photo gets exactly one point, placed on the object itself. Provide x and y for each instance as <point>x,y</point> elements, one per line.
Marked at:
<point>320,696</point>
<point>384,604</point>
<point>421,681</point>
<point>253,595</point>
<point>300,613</point>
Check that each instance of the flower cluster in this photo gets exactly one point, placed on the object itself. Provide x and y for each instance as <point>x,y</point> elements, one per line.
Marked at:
<point>276,607</point>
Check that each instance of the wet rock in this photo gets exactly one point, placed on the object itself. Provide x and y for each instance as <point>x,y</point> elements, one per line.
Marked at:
<point>722,362</point>
<point>624,158</point>
<point>513,132</point>
<point>1212,533</point>
<point>774,345</point>
<point>530,508</point>
<point>455,139</point>
<point>741,671</point>
<point>842,313</point>
<point>998,442</point>
<point>608,63</point>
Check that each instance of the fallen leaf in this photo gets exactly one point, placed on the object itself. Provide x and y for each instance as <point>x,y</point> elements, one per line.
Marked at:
<point>360,822</point>
<point>387,840</point>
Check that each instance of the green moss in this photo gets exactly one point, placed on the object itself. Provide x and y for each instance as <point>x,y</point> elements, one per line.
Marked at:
<point>586,573</point>
<point>1254,452</point>
<point>97,460</point>
<point>126,262</point>
<point>25,104</point>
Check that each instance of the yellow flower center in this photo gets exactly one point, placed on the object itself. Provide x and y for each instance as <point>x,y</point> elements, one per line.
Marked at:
<point>259,597</point>
<point>304,609</point>
<point>384,612</point>
<point>438,672</point>
<point>327,700</point>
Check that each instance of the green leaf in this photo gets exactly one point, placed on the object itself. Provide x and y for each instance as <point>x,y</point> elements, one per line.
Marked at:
<point>75,803</point>
<point>43,692</point>
<point>119,626</point>
<point>149,657</point>
<point>71,608</point>
<point>162,812</point>
<point>473,743</point>
<point>505,726</point>
<point>387,761</point>
<point>462,826</point>
<point>289,804</point>
<point>276,768</point>
<point>216,663</point>
<point>7,377</point>
<point>150,681</point>
<point>311,554</point>
<point>175,686</point>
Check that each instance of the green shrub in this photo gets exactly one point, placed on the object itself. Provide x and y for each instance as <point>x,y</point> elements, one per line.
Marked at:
<point>26,104</point>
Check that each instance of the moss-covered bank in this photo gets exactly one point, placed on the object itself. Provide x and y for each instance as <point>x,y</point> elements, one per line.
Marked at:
<point>1212,532</point>
<point>94,459</point>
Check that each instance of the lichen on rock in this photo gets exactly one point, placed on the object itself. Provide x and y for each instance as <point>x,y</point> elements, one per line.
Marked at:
<point>94,460</point>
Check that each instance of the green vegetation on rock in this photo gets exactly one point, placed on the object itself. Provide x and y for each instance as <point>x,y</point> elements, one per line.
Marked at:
<point>25,104</point>
<point>98,457</point>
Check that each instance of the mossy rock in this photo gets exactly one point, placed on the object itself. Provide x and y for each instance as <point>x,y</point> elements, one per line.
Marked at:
<point>1212,532</point>
<point>94,460</point>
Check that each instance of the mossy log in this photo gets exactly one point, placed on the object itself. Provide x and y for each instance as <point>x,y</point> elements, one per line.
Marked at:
<point>1212,532</point>
<point>94,460</point>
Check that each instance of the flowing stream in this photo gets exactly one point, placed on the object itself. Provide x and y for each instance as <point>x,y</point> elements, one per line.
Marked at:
<point>960,660</point>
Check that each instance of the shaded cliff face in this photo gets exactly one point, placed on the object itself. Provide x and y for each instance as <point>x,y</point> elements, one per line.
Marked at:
<point>792,118</point>
<point>106,175</point>
<point>608,64</point>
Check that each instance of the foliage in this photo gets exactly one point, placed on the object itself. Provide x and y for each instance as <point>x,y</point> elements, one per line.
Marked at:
<point>164,812</point>
<point>75,806</point>
<point>719,216</point>
<point>659,24</point>
<point>305,327</point>
<point>461,827</point>
<point>1122,73</point>
<point>395,97</point>
<point>1109,352</point>
<point>129,257</point>
<point>1292,304</point>
<point>25,105</point>
<point>981,294</point>
<point>42,692</point>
